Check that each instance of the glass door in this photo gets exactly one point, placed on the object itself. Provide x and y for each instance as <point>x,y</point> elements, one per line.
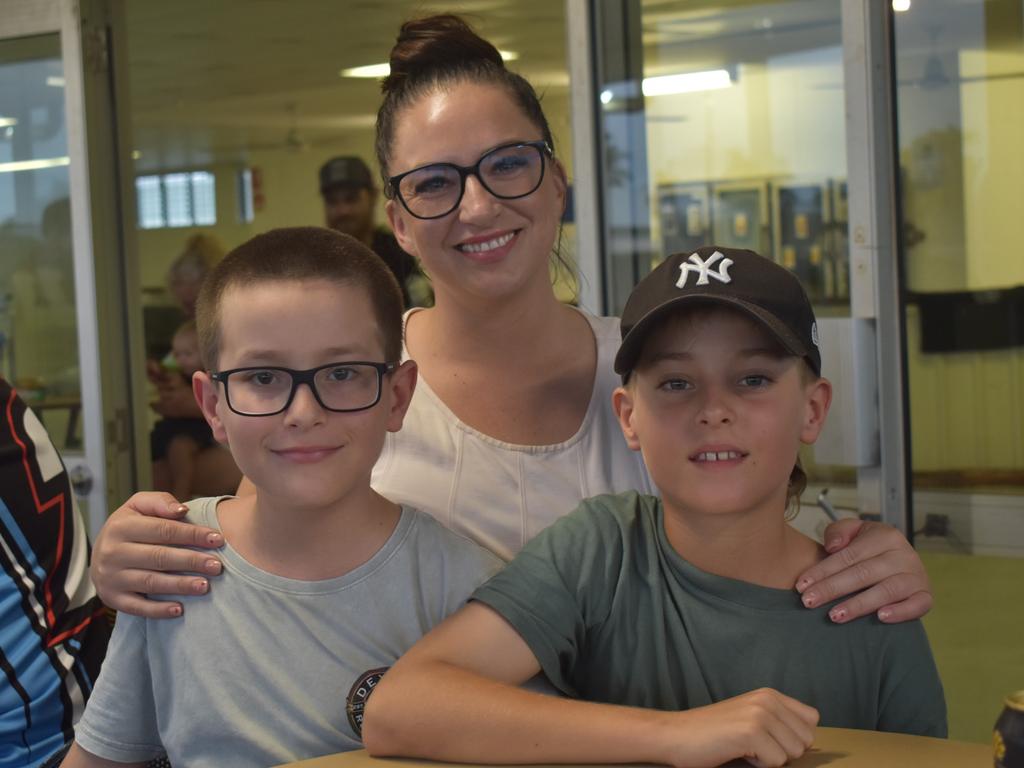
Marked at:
<point>58,209</point>
<point>960,104</point>
<point>726,126</point>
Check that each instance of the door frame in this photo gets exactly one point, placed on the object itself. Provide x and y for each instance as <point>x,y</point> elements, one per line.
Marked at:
<point>108,315</point>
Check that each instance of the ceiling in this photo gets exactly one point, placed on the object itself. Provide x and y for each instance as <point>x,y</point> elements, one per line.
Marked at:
<point>215,80</point>
<point>212,81</point>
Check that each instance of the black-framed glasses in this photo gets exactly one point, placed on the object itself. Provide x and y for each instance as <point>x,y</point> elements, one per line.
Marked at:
<point>507,172</point>
<point>267,390</point>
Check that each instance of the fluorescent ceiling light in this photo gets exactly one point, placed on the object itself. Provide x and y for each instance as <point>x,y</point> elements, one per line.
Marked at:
<point>900,5</point>
<point>34,165</point>
<point>8,122</point>
<point>55,82</point>
<point>370,70</point>
<point>666,85</point>
<point>384,69</point>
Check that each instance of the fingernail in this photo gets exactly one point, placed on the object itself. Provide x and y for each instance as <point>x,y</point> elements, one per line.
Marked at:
<point>174,610</point>
<point>213,566</point>
<point>838,615</point>
<point>810,600</point>
<point>200,586</point>
<point>215,539</point>
<point>832,543</point>
<point>885,614</point>
<point>176,508</point>
<point>803,584</point>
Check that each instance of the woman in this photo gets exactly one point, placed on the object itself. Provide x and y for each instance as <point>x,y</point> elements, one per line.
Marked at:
<point>511,424</point>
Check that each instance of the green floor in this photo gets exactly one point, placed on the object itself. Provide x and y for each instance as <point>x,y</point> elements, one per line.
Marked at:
<point>977,634</point>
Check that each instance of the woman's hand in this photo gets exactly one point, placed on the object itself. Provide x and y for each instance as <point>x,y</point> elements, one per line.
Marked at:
<point>139,543</point>
<point>873,557</point>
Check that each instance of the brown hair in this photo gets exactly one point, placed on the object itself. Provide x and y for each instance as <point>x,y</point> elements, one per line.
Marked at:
<point>301,253</point>
<point>436,52</point>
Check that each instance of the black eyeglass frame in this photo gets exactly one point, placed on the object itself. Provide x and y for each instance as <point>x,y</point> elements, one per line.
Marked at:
<point>306,377</point>
<point>392,189</point>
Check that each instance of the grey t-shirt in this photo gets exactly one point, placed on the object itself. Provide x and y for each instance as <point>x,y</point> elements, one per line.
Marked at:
<point>614,614</point>
<point>259,671</point>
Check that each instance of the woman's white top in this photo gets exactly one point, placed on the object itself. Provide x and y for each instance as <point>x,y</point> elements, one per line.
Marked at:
<point>501,494</point>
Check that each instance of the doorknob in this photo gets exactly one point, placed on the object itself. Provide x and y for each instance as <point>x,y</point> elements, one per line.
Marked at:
<point>81,479</point>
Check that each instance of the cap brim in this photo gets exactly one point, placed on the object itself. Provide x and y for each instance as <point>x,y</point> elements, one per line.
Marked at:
<point>632,344</point>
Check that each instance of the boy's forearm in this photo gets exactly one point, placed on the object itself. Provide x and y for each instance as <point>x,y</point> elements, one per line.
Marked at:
<point>471,718</point>
<point>79,758</point>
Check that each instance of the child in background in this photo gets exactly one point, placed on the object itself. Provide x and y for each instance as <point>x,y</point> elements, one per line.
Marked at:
<point>325,582</point>
<point>680,608</point>
<point>176,442</point>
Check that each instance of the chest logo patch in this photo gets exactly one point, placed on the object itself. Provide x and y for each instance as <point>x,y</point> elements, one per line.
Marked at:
<point>359,694</point>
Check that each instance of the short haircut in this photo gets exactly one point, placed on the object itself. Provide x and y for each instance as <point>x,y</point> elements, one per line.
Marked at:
<point>301,253</point>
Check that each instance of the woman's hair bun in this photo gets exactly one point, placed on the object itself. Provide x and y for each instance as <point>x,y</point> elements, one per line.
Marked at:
<point>434,43</point>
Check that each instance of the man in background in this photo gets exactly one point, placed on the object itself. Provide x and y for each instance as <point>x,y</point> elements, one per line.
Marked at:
<point>350,198</point>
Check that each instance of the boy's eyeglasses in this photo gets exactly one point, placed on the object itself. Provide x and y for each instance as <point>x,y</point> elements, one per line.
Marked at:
<point>507,172</point>
<point>268,390</point>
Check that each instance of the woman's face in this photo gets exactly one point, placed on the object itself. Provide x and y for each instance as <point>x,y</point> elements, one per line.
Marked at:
<point>487,247</point>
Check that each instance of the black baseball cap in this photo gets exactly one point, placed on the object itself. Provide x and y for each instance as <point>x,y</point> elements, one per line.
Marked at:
<point>347,171</point>
<point>767,292</point>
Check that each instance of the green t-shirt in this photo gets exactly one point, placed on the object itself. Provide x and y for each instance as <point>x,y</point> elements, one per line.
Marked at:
<point>614,614</point>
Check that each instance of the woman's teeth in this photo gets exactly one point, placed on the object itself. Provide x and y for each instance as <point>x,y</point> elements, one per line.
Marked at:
<point>490,245</point>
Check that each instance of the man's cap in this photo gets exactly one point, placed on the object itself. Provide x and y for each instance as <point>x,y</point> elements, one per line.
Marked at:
<point>765,291</point>
<point>345,171</point>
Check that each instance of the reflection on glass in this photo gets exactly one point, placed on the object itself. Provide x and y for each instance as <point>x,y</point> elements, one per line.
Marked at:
<point>38,338</point>
<point>759,124</point>
<point>960,71</point>
<point>743,113</point>
<point>960,108</point>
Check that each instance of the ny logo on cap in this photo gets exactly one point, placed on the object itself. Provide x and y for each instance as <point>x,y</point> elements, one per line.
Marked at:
<point>703,269</point>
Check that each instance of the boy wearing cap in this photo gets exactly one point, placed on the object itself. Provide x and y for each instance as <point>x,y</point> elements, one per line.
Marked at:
<point>680,610</point>
<point>350,197</point>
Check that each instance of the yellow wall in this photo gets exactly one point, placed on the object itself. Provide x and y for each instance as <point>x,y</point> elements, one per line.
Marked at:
<point>993,168</point>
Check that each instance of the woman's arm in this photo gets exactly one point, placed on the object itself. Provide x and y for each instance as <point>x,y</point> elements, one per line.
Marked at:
<point>453,696</point>
<point>139,543</point>
<point>872,557</point>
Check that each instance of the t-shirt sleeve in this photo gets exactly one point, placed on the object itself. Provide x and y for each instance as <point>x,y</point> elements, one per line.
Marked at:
<point>119,723</point>
<point>559,587</point>
<point>911,699</point>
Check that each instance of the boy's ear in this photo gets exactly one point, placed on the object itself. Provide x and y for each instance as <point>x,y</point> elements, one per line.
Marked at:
<point>622,402</point>
<point>397,222</point>
<point>401,383</point>
<point>207,395</point>
<point>819,398</point>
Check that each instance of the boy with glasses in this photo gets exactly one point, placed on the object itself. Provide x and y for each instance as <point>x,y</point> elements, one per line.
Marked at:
<point>325,582</point>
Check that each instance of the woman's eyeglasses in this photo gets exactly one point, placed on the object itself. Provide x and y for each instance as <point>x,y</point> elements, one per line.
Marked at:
<point>507,172</point>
